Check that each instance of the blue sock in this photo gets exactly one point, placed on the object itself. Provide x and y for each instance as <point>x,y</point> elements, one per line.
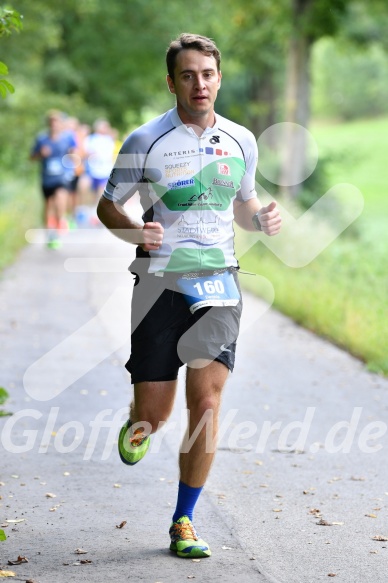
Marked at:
<point>187,499</point>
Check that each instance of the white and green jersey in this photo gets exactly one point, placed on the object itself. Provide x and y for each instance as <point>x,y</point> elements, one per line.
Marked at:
<point>188,184</point>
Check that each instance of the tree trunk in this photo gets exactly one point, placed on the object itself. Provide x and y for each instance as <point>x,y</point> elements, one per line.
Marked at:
<point>297,105</point>
<point>262,95</point>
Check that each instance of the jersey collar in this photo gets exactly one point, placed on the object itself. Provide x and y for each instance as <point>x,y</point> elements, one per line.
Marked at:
<point>177,122</point>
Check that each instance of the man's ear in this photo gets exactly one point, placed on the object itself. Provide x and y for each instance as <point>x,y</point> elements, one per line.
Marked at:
<point>170,83</point>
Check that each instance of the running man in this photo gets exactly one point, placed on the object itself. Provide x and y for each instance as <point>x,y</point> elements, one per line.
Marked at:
<point>195,172</point>
<point>52,150</point>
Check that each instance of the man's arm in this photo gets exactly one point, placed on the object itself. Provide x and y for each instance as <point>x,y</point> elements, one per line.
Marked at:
<point>269,216</point>
<point>149,236</point>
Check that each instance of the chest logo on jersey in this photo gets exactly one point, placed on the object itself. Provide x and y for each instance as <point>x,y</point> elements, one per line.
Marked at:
<point>179,169</point>
<point>215,140</point>
<point>220,182</point>
<point>223,169</point>
<point>180,153</point>
<point>181,184</point>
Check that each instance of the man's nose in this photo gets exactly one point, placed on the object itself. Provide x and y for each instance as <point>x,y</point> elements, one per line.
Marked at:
<point>199,81</point>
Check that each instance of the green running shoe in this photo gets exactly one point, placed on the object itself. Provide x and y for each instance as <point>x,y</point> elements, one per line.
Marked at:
<point>132,449</point>
<point>54,243</point>
<point>185,541</point>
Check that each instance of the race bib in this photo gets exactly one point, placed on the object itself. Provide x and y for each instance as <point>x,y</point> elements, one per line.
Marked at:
<point>54,166</point>
<point>209,290</point>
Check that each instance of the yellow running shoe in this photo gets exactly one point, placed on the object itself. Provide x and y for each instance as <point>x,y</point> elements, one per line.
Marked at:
<point>132,448</point>
<point>185,541</point>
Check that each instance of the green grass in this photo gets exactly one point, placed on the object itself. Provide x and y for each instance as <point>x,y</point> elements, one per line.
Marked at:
<point>20,209</point>
<point>342,295</point>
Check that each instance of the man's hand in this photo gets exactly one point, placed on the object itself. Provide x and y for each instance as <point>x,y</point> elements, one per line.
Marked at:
<point>270,219</point>
<point>45,151</point>
<point>152,236</point>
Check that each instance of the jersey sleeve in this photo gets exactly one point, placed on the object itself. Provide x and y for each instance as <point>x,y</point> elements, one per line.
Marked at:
<point>247,188</point>
<point>127,173</point>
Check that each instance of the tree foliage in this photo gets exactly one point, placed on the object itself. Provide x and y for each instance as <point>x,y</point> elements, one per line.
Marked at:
<point>10,21</point>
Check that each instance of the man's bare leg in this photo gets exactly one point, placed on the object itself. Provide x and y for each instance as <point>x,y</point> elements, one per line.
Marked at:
<point>203,393</point>
<point>153,402</point>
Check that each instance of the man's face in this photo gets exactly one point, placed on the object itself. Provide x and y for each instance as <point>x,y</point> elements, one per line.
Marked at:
<point>195,84</point>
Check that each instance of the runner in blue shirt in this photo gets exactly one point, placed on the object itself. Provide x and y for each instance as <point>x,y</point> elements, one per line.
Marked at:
<point>53,149</point>
<point>195,173</point>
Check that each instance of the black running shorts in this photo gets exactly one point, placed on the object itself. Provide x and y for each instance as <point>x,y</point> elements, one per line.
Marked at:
<point>165,335</point>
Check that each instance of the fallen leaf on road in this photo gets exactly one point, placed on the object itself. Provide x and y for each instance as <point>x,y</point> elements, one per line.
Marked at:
<point>323,523</point>
<point>277,510</point>
<point>315,511</point>
<point>191,576</point>
<point>80,552</point>
<point>259,463</point>
<point>7,573</point>
<point>247,472</point>
<point>85,562</point>
<point>332,574</point>
<point>122,524</point>
<point>196,560</point>
<point>357,479</point>
<point>371,515</point>
<point>380,537</point>
<point>18,561</point>
<point>373,552</point>
<point>335,479</point>
<point>224,548</point>
<point>116,485</point>
<point>337,523</point>
<point>15,521</point>
<point>50,495</point>
<point>66,473</point>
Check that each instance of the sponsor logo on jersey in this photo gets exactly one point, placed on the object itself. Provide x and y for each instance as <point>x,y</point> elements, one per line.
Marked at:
<point>181,184</point>
<point>215,140</point>
<point>178,169</point>
<point>223,169</point>
<point>226,183</point>
<point>198,200</point>
<point>200,229</point>
<point>214,151</point>
<point>180,153</point>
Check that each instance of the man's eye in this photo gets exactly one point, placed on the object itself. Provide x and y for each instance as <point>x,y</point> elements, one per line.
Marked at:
<point>187,77</point>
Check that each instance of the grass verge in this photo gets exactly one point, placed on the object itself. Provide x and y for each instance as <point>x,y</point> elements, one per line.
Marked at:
<point>20,209</point>
<point>342,294</point>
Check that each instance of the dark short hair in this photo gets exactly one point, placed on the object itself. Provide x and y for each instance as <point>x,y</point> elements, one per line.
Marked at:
<point>194,42</point>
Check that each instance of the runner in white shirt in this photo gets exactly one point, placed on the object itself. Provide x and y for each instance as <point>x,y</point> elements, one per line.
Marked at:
<point>99,148</point>
<point>195,173</point>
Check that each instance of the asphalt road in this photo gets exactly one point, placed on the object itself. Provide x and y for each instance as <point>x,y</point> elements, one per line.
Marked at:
<point>299,487</point>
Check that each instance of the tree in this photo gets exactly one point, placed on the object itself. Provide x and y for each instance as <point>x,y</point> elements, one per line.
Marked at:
<point>10,20</point>
<point>310,20</point>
